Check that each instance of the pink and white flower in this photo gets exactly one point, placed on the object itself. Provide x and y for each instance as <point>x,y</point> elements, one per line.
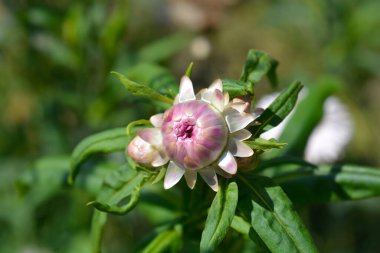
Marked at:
<point>201,133</point>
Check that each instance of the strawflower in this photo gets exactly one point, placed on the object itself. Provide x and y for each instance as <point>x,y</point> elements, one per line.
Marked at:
<point>201,133</point>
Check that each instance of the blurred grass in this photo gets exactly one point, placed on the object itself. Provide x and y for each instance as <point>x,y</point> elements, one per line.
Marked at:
<point>56,87</point>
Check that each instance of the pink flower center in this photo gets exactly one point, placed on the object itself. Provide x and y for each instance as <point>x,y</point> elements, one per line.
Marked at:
<point>194,134</point>
<point>184,129</point>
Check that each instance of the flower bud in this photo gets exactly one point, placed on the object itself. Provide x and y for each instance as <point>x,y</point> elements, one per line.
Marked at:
<point>194,134</point>
<point>141,151</point>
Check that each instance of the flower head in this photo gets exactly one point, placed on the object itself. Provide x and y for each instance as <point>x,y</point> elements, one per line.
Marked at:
<point>201,133</point>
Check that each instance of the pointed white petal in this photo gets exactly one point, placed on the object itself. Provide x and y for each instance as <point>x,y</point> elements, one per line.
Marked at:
<point>207,95</point>
<point>221,172</point>
<point>151,135</point>
<point>159,160</point>
<point>186,91</point>
<point>239,105</point>
<point>156,120</point>
<point>200,93</point>
<point>217,100</point>
<point>216,85</point>
<point>176,99</point>
<point>226,99</point>
<point>191,178</point>
<point>209,176</point>
<point>241,135</point>
<point>239,149</point>
<point>173,174</point>
<point>228,163</point>
<point>236,120</point>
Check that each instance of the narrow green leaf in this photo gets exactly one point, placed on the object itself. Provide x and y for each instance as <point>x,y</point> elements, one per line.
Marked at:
<point>220,216</point>
<point>257,65</point>
<point>282,163</point>
<point>142,90</point>
<point>159,176</point>
<point>277,111</point>
<point>331,183</point>
<point>155,76</point>
<point>134,124</point>
<point>273,217</point>
<point>162,241</point>
<point>110,203</point>
<point>114,209</point>
<point>240,225</point>
<point>189,70</point>
<point>237,88</point>
<point>263,144</point>
<point>307,115</point>
<point>98,222</point>
<point>104,142</point>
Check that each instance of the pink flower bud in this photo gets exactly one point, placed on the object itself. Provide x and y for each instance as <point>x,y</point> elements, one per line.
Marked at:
<point>201,133</point>
<point>194,134</point>
<point>141,151</point>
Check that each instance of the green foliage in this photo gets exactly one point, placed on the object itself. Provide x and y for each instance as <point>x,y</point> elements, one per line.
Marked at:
<point>260,210</point>
<point>163,241</point>
<point>237,88</point>
<point>154,76</point>
<point>277,111</point>
<point>104,142</point>
<point>55,63</point>
<point>263,144</point>
<point>330,183</point>
<point>257,65</point>
<point>307,116</point>
<point>220,216</point>
<point>273,217</point>
<point>142,90</point>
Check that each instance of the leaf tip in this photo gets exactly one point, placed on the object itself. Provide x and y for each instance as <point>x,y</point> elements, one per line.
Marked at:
<point>91,203</point>
<point>70,179</point>
<point>189,69</point>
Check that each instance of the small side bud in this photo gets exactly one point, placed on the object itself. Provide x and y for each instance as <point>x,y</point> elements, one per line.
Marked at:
<point>141,151</point>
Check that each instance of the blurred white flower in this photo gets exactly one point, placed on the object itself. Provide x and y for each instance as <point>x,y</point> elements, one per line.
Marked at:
<point>329,138</point>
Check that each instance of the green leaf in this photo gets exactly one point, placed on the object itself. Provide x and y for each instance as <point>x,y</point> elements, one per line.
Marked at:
<point>282,163</point>
<point>98,222</point>
<point>263,144</point>
<point>240,225</point>
<point>155,76</point>
<point>331,183</point>
<point>189,70</point>
<point>257,65</point>
<point>164,48</point>
<point>110,202</point>
<point>307,115</point>
<point>237,88</point>
<point>114,209</point>
<point>104,142</point>
<point>163,241</point>
<point>220,216</point>
<point>131,126</point>
<point>142,90</point>
<point>273,217</point>
<point>277,111</point>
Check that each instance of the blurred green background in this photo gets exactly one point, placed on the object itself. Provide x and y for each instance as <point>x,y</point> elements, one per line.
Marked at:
<point>56,89</point>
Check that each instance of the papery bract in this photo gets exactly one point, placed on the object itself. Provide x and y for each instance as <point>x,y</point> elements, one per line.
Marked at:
<point>201,133</point>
